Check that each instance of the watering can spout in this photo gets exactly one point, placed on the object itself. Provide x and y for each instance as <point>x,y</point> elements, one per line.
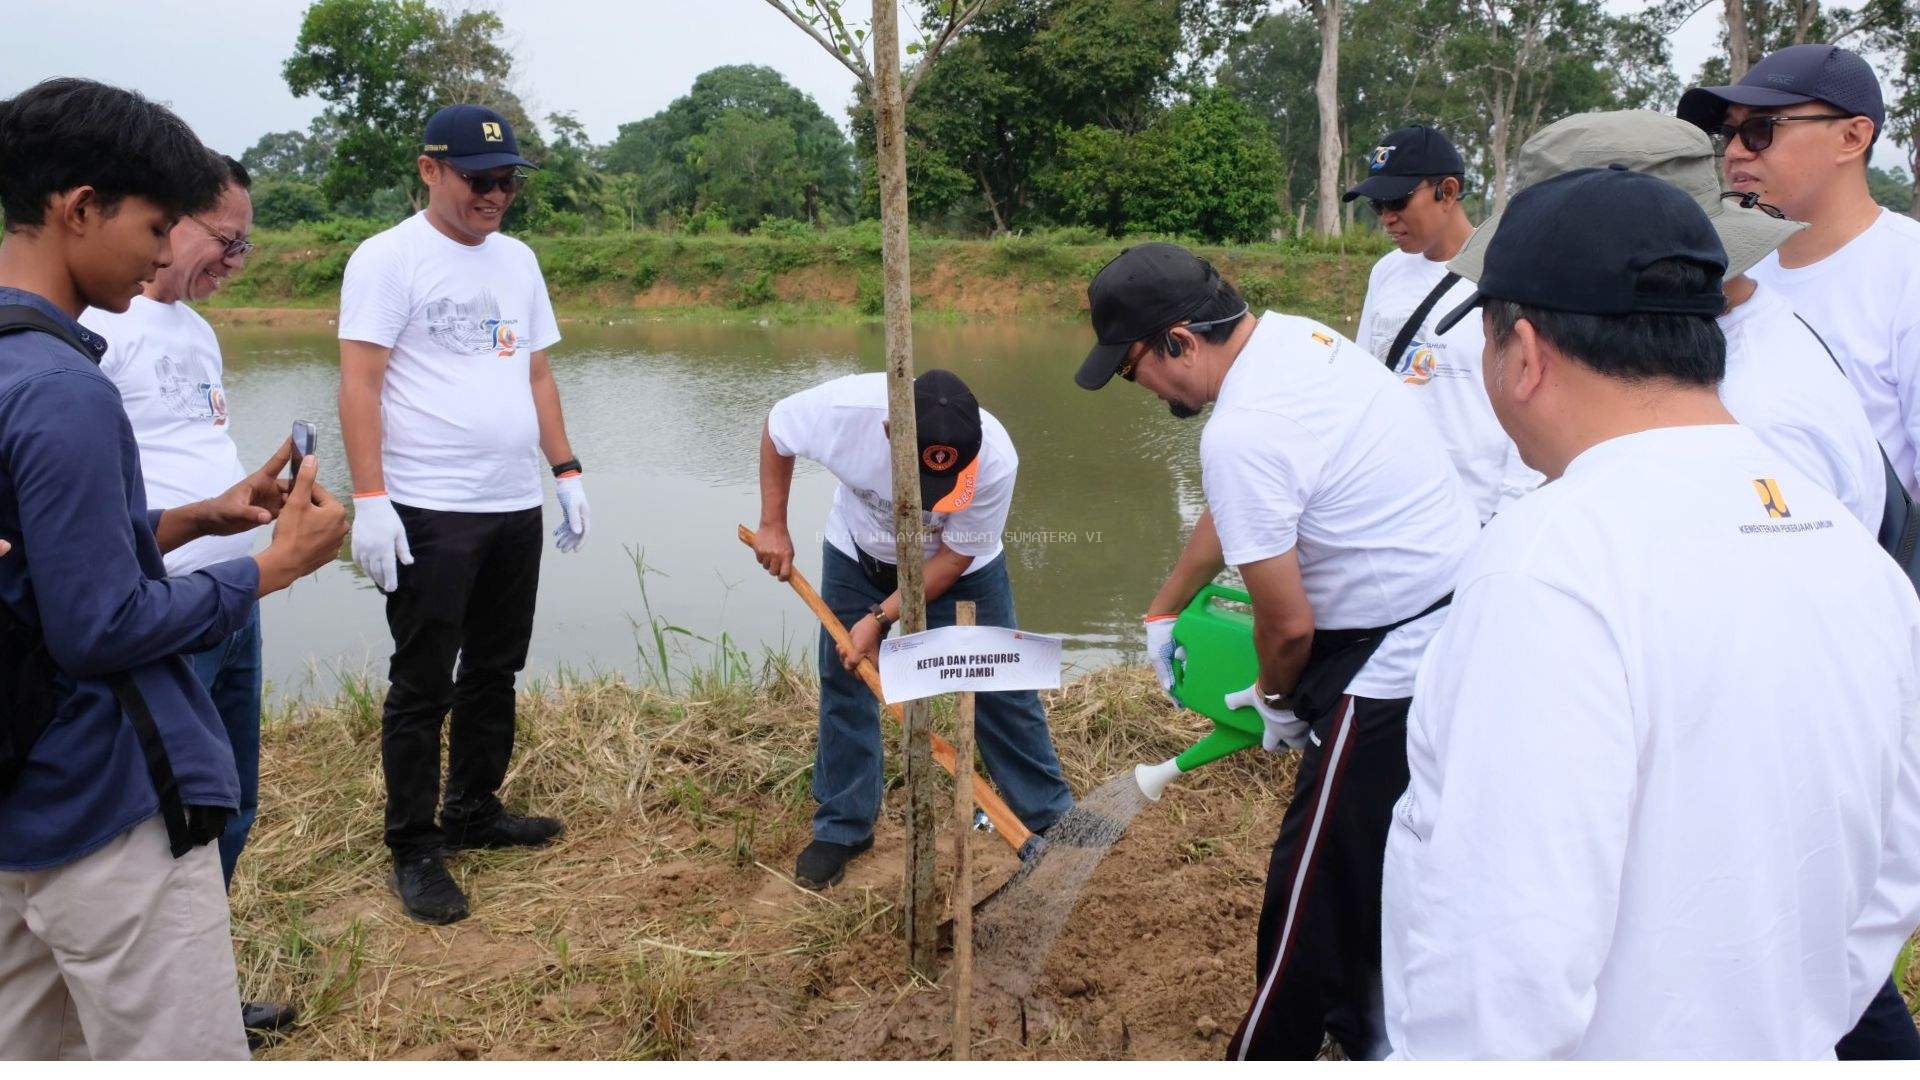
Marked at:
<point>1153,779</point>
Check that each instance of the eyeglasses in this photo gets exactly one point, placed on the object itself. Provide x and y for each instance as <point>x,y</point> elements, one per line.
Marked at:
<point>1756,132</point>
<point>1125,370</point>
<point>484,183</point>
<point>234,246</point>
<point>1750,200</point>
<point>1383,206</point>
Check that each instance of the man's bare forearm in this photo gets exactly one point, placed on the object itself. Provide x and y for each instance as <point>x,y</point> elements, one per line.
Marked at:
<point>363,372</point>
<point>1200,562</point>
<point>546,408</point>
<point>776,481</point>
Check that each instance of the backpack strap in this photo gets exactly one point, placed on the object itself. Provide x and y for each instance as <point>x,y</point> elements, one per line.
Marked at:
<point>1899,525</point>
<point>180,838</point>
<point>1412,327</point>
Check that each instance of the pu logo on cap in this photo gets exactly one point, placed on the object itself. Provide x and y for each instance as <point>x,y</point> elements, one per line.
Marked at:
<point>939,457</point>
<point>1380,156</point>
<point>491,131</point>
<point>1770,497</point>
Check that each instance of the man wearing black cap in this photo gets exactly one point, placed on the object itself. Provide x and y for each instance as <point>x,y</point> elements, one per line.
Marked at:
<point>1413,183</point>
<point>445,398</point>
<point>1797,133</point>
<point>1329,489</point>
<point>1619,839</point>
<point>967,469</point>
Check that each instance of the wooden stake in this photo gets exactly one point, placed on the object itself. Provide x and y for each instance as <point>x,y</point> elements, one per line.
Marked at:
<point>890,137</point>
<point>962,972</point>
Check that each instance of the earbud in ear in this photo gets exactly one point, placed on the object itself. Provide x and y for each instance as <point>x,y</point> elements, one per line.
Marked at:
<point>1173,349</point>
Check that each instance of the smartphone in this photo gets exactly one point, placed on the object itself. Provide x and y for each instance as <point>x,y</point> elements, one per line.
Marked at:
<point>303,441</point>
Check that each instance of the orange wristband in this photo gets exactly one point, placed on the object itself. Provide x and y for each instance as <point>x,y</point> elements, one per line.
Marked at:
<point>369,494</point>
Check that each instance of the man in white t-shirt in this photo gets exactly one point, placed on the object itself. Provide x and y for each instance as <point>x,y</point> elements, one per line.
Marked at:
<point>1328,488</point>
<point>967,471</point>
<point>1414,182</point>
<point>1780,380</point>
<point>1665,755</point>
<point>446,402</point>
<point>166,362</point>
<point>1797,133</point>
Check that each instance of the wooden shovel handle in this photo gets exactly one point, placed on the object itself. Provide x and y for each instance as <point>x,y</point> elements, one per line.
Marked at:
<point>1005,821</point>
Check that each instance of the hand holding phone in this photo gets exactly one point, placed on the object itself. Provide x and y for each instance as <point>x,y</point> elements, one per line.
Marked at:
<point>303,445</point>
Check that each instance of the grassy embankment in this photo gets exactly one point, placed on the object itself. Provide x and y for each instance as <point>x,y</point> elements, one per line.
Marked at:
<point>663,924</point>
<point>823,275</point>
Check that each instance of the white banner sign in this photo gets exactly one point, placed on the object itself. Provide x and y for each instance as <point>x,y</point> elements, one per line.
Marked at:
<point>955,658</point>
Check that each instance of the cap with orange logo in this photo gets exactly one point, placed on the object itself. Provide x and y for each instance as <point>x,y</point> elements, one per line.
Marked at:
<point>948,420</point>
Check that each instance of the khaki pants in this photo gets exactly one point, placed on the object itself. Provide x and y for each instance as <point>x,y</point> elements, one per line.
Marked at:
<point>123,954</point>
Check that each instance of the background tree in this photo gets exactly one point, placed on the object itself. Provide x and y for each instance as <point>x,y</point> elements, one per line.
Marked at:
<point>384,66</point>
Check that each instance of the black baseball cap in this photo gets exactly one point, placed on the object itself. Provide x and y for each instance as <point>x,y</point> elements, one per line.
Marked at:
<point>1795,75</point>
<point>1403,159</point>
<point>1140,292</point>
<point>1578,243</point>
<point>947,419</point>
<point>474,138</point>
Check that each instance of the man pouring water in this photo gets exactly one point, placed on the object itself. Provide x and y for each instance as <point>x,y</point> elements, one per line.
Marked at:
<point>1330,490</point>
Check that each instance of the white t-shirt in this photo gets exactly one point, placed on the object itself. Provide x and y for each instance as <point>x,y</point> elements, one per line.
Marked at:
<point>1444,370</point>
<point>1864,302</point>
<point>1781,383</point>
<point>166,362</point>
<point>838,424</point>
<point>1313,443</point>
<point>457,424</point>
<point>1665,770</point>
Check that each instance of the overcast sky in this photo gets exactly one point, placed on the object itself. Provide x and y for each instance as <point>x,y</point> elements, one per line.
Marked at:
<point>217,62</point>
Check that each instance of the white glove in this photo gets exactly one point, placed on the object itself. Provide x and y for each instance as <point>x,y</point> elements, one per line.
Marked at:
<point>379,541</point>
<point>572,530</point>
<point>1283,728</point>
<point>1163,651</point>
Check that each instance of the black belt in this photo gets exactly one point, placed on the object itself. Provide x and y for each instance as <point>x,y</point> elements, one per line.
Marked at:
<point>1335,657</point>
<point>882,575</point>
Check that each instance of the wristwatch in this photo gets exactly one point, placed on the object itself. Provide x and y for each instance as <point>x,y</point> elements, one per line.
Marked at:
<point>571,465</point>
<point>879,613</point>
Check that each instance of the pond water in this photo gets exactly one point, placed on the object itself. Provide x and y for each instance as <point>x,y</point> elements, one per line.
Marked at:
<point>667,418</point>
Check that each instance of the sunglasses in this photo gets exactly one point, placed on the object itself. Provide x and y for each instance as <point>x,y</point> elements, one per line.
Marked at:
<point>1750,200</point>
<point>234,246</point>
<point>483,184</point>
<point>1756,132</point>
<point>1395,206</point>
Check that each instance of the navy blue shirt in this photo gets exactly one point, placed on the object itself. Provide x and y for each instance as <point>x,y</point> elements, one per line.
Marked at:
<point>85,569</point>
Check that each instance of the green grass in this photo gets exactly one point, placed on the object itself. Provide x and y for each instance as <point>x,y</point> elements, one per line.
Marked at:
<point>830,275</point>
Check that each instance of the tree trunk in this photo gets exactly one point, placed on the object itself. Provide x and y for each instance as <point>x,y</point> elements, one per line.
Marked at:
<point>1739,55</point>
<point>1497,150</point>
<point>890,130</point>
<point>1803,14</point>
<point>1326,93</point>
<point>986,191</point>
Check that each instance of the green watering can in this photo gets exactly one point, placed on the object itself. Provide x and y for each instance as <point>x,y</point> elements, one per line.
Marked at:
<point>1216,630</point>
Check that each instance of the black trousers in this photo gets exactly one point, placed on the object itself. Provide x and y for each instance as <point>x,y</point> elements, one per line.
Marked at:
<point>468,596</point>
<point>1318,967</point>
<point>1885,1032</point>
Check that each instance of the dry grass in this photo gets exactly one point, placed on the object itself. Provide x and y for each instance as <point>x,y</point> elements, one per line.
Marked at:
<point>665,913</point>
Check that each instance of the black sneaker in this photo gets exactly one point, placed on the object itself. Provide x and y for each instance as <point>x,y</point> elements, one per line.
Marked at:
<point>427,891</point>
<point>824,863</point>
<point>503,830</point>
<point>265,1019</point>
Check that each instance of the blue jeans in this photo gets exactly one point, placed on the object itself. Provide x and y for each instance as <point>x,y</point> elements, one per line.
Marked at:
<point>1010,728</point>
<point>231,673</point>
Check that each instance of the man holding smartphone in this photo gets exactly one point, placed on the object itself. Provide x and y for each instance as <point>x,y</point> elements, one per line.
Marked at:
<point>445,398</point>
<point>166,361</point>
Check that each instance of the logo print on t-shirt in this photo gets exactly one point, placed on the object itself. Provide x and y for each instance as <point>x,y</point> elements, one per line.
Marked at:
<point>471,326</point>
<point>188,390</point>
<point>1419,365</point>
<point>1771,498</point>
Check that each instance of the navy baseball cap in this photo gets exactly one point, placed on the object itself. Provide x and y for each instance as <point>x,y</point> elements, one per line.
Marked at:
<point>1403,159</point>
<point>1140,292</point>
<point>474,138</point>
<point>1795,75</point>
<point>947,419</point>
<point>1579,241</point>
